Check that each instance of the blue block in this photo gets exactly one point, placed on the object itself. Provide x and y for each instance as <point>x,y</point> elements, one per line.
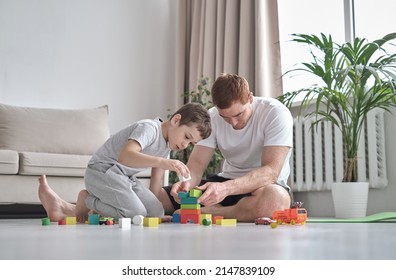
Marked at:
<point>189,200</point>
<point>93,219</point>
<point>176,218</point>
<point>182,194</point>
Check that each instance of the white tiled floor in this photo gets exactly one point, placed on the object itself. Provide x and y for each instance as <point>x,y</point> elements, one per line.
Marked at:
<point>28,240</point>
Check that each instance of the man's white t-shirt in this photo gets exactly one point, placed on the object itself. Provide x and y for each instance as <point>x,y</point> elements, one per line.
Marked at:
<point>271,124</point>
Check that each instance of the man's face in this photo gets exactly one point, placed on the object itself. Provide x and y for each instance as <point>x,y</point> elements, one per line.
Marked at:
<point>238,114</point>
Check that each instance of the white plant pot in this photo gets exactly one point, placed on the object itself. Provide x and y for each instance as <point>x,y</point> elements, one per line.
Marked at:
<point>350,199</point>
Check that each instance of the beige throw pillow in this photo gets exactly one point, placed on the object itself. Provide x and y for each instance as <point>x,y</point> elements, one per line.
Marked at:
<point>60,131</point>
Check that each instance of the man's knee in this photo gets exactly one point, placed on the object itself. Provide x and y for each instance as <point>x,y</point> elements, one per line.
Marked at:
<point>269,199</point>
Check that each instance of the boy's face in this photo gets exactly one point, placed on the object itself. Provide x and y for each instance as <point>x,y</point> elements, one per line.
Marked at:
<point>181,136</point>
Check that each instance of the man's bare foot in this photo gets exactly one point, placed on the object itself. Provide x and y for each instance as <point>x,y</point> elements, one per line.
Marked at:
<point>56,208</point>
<point>81,208</point>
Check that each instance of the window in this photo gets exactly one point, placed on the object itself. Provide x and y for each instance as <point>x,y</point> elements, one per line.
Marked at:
<point>327,16</point>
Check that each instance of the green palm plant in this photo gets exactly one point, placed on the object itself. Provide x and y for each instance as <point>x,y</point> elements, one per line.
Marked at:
<point>355,78</point>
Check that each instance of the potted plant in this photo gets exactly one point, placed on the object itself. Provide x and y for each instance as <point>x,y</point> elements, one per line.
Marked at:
<point>203,96</point>
<point>355,78</point>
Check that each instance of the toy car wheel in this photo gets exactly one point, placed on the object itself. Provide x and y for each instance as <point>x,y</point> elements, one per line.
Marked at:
<point>274,225</point>
<point>279,221</point>
<point>292,222</point>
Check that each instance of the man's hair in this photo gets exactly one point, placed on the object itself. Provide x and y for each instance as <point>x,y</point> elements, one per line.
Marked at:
<point>195,114</point>
<point>228,89</point>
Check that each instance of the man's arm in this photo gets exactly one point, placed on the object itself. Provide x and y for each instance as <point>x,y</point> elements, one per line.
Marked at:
<point>156,180</point>
<point>272,161</point>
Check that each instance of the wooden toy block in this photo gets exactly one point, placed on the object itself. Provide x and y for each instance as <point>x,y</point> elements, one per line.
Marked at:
<point>45,221</point>
<point>226,222</point>
<point>190,206</point>
<point>124,223</point>
<point>189,200</point>
<point>150,222</point>
<point>205,217</point>
<point>176,218</point>
<point>189,219</point>
<point>195,193</point>
<point>182,194</point>
<point>215,218</point>
<point>206,222</point>
<point>93,219</point>
<point>62,222</point>
<point>71,220</point>
<point>138,220</point>
<point>190,211</point>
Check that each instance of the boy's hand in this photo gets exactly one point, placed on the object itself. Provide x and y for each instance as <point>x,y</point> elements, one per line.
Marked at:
<point>179,187</point>
<point>176,165</point>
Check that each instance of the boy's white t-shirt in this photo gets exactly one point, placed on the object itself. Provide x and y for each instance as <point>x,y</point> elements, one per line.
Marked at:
<point>271,124</point>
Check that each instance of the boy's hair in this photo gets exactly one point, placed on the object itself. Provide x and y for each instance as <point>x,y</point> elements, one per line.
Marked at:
<point>228,89</point>
<point>195,114</point>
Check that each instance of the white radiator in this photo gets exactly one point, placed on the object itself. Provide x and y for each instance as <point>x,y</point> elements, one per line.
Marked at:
<point>317,158</point>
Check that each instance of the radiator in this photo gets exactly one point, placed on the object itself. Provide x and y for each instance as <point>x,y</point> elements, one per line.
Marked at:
<point>317,159</point>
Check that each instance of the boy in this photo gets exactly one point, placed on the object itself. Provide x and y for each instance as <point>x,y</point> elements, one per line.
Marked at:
<point>112,190</point>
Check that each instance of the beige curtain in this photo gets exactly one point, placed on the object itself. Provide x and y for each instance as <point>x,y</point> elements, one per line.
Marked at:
<point>235,36</point>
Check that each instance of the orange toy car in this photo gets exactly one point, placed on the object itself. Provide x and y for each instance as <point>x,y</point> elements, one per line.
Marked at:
<point>293,215</point>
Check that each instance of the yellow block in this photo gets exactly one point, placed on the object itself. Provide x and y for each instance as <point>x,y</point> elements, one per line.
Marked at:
<point>226,222</point>
<point>205,216</point>
<point>151,222</point>
<point>71,220</point>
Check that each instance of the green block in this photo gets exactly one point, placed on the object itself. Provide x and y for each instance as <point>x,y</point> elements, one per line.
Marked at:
<point>190,206</point>
<point>45,221</point>
<point>195,193</point>
<point>93,219</point>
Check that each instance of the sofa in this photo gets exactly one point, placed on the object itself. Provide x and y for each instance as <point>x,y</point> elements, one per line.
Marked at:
<point>55,142</point>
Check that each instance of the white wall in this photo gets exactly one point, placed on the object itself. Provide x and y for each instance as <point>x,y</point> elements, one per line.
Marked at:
<point>86,53</point>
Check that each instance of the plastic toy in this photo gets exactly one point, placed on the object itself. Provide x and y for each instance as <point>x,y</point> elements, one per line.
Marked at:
<point>293,215</point>
<point>263,221</point>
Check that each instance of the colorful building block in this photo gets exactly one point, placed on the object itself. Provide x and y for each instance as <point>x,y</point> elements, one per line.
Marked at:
<point>138,220</point>
<point>93,219</point>
<point>176,218</point>
<point>182,194</point>
<point>150,222</point>
<point>215,218</point>
<point>226,222</point>
<point>189,219</point>
<point>71,220</point>
<point>45,221</point>
<point>189,200</point>
<point>195,193</point>
<point>124,223</point>
<point>190,206</point>
<point>205,217</point>
<point>62,222</point>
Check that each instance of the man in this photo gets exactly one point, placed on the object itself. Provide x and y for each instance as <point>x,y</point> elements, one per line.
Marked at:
<point>255,136</point>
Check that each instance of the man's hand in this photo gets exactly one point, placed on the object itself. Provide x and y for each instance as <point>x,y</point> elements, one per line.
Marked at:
<point>179,187</point>
<point>214,193</point>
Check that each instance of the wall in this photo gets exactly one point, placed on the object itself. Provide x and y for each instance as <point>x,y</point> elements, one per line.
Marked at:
<point>79,54</point>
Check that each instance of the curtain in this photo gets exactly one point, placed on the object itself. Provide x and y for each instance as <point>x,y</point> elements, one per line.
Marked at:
<point>234,36</point>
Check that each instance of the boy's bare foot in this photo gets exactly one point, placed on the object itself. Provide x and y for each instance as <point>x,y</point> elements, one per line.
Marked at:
<point>56,208</point>
<point>81,208</point>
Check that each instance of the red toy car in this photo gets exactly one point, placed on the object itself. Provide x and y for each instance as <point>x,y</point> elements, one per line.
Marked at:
<point>263,221</point>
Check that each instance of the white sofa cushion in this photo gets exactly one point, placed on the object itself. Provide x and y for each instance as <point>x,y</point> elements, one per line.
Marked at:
<point>52,164</point>
<point>8,162</point>
<point>59,131</point>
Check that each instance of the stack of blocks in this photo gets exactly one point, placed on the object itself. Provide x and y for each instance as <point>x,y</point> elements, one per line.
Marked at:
<point>190,209</point>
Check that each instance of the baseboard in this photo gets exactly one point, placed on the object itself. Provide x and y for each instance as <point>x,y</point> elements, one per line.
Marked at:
<point>21,211</point>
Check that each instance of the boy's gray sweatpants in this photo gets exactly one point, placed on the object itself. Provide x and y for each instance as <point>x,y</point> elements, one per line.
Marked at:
<point>114,194</point>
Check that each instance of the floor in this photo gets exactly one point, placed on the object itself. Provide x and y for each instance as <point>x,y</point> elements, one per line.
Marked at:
<point>27,239</point>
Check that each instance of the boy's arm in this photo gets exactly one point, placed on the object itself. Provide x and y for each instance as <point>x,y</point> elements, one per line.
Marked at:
<point>132,156</point>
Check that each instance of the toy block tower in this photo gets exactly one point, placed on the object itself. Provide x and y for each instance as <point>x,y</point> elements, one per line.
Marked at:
<point>190,209</point>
